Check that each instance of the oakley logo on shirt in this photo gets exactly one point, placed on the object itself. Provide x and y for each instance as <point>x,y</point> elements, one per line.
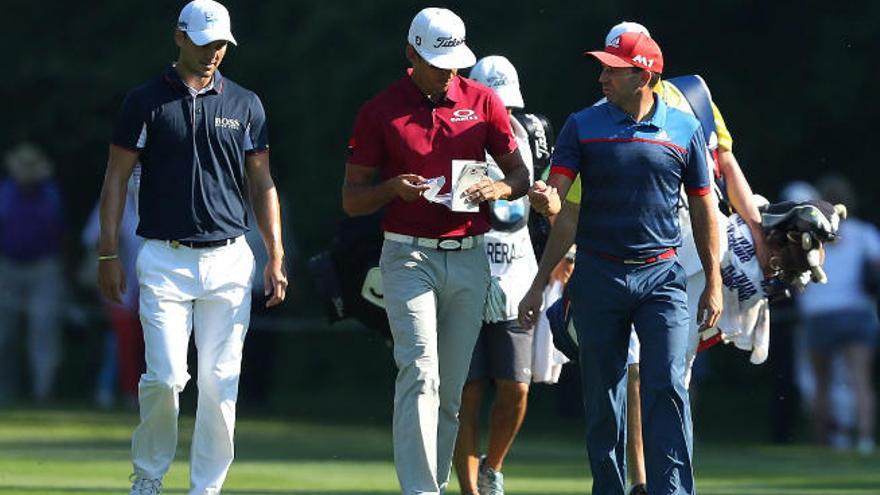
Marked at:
<point>464,114</point>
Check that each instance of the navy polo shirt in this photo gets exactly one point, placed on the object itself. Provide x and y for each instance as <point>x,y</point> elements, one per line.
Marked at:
<point>632,173</point>
<point>192,149</point>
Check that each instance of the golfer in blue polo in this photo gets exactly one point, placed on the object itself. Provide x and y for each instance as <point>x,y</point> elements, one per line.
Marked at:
<point>633,154</point>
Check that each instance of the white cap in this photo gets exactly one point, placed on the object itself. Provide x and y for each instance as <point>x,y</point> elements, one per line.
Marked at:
<point>499,74</point>
<point>438,36</point>
<point>625,27</point>
<point>205,21</point>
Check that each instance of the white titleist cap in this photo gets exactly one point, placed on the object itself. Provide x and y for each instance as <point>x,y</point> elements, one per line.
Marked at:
<point>205,21</point>
<point>625,27</point>
<point>499,74</point>
<point>438,36</point>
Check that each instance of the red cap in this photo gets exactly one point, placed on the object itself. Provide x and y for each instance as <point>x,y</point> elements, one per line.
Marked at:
<point>631,50</point>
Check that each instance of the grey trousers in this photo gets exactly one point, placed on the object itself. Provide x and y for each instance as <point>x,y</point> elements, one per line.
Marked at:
<point>434,300</point>
<point>31,298</point>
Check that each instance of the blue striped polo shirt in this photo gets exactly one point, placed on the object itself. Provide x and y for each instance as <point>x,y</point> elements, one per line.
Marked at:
<point>632,173</point>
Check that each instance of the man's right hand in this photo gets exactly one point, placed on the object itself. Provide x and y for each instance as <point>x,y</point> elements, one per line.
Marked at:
<point>409,187</point>
<point>530,307</point>
<point>544,199</point>
<point>111,280</point>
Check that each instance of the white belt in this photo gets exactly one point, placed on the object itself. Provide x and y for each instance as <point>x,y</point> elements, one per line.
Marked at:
<point>448,244</point>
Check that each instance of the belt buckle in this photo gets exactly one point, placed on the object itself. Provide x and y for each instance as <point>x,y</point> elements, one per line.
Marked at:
<point>175,244</point>
<point>635,262</point>
<point>449,245</point>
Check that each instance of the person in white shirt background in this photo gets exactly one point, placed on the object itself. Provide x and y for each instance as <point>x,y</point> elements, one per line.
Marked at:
<point>840,319</point>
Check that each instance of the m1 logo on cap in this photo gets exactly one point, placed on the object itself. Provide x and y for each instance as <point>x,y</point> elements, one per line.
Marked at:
<point>464,114</point>
<point>210,18</point>
<point>615,42</point>
<point>641,59</point>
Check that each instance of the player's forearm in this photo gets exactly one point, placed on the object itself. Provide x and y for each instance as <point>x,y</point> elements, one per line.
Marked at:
<point>112,207</point>
<point>706,236</point>
<point>514,185</point>
<point>559,241</point>
<point>267,210</point>
<point>119,167</point>
<point>738,191</point>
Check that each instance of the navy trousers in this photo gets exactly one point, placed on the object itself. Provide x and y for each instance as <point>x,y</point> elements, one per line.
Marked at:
<point>609,297</point>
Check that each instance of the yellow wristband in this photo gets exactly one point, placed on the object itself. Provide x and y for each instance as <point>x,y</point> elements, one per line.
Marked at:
<point>108,257</point>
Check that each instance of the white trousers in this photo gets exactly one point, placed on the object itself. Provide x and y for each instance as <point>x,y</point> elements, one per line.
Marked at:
<point>184,290</point>
<point>434,300</point>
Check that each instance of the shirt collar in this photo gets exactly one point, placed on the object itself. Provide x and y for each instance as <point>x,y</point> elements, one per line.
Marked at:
<point>215,86</point>
<point>658,119</point>
<point>453,94</point>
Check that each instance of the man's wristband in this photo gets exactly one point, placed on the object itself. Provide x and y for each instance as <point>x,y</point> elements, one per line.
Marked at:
<point>108,257</point>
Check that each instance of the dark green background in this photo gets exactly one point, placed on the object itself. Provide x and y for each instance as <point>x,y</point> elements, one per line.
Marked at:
<point>794,80</point>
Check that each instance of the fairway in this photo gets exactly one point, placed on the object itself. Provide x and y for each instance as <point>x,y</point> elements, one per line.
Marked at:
<point>80,452</point>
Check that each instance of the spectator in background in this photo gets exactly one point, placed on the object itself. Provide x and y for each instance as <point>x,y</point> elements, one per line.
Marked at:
<point>127,333</point>
<point>841,318</point>
<point>31,279</point>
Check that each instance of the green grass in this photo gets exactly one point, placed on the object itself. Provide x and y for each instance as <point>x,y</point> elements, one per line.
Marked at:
<point>77,452</point>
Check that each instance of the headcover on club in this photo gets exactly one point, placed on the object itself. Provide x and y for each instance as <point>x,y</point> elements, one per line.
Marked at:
<point>797,231</point>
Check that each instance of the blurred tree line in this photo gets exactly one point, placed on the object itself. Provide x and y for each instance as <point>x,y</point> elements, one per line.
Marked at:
<point>792,79</point>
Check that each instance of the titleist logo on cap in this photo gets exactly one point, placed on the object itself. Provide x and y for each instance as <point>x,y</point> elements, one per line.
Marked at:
<point>448,42</point>
<point>496,81</point>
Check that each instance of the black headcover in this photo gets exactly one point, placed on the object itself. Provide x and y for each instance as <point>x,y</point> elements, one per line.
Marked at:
<point>795,231</point>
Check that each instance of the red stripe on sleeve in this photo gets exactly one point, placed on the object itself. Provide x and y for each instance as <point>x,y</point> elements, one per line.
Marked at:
<point>698,191</point>
<point>563,170</point>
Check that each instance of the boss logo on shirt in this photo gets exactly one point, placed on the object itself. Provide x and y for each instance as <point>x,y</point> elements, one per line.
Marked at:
<point>226,123</point>
<point>448,42</point>
<point>464,114</point>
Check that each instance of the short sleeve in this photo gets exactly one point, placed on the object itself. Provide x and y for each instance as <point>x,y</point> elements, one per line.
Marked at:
<point>567,152</point>
<point>696,170</point>
<point>130,122</point>
<point>500,139</point>
<point>366,145</point>
<point>257,129</point>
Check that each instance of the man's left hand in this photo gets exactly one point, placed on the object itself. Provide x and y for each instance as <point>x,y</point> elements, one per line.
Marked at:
<point>275,282</point>
<point>484,190</point>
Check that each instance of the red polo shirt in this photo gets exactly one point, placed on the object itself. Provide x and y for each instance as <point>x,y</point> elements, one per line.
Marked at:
<point>401,131</point>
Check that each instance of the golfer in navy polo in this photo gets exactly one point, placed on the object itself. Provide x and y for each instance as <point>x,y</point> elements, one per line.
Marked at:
<point>633,154</point>
<point>435,272</point>
<point>202,143</point>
